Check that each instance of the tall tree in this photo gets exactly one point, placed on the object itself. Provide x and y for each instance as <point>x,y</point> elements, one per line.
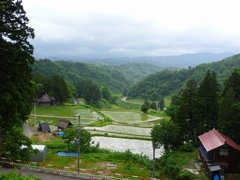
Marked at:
<point>59,89</point>
<point>208,93</point>
<point>16,52</point>
<point>186,113</point>
<point>153,105</point>
<point>229,110</point>
<point>92,95</point>
<point>145,106</point>
<point>161,104</point>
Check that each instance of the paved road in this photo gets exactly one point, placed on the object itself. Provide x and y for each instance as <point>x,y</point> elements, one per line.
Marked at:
<point>43,176</point>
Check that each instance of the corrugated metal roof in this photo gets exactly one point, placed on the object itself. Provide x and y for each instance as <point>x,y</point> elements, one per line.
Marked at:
<point>213,139</point>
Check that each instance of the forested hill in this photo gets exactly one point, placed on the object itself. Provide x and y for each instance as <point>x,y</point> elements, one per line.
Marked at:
<point>106,75</point>
<point>116,78</point>
<point>168,82</point>
<point>140,70</point>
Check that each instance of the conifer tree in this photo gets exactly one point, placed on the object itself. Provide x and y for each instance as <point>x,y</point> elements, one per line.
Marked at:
<point>186,113</point>
<point>161,104</point>
<point>229,110</point>
<point>208,93</point>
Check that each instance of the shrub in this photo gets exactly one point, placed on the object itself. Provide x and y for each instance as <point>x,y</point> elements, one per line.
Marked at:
<point>15,175</point>
<point>188,147</point>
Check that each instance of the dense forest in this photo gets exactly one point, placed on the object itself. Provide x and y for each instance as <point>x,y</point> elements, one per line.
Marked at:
<point>137,80</point>
<point>168,82</point>
<point>99,73</point>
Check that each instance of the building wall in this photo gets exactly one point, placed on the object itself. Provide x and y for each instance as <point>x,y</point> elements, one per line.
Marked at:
<point>230,163</point>
<point>232,159</point>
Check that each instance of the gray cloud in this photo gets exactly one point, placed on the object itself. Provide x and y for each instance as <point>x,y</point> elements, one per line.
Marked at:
<point>105,35</point>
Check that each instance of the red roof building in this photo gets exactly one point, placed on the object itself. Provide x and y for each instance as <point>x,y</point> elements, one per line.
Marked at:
<point>219,153</point>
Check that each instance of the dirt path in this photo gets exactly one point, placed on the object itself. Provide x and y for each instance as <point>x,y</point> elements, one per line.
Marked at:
<point>27,130</point>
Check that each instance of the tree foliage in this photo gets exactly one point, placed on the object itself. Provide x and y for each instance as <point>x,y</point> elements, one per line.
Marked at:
<point>229,110</point>
<point>161,104</point>
<point>168,82</point>
<point>54,85</point>
<point>100,74</point>
<point>145,106</point>
<point>195,109</point>
<point>208,99</point>
<point>71,134</point>
<point>166,134</point>
<point>16,87</point>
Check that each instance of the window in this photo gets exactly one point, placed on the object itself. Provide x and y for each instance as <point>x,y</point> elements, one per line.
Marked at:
<point>224,152</point>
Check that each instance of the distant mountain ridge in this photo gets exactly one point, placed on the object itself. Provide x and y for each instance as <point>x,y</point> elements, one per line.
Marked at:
<point>178,61</point>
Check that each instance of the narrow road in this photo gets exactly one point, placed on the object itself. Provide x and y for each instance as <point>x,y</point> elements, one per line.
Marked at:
<point>42,175</point>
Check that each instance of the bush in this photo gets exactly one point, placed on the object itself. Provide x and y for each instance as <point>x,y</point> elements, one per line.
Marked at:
<point>185,175</point>
<point>188,147</point>
<point>14,175</point>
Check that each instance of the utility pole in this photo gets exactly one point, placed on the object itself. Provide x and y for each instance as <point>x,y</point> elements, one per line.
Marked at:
<point>153,173</point>
<point>35,118</point>
<point>79,142</point>
<point>155,145</point>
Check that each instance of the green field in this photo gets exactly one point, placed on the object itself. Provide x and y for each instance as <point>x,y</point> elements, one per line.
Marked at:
<point>129,117</point>
<point>54,113</point>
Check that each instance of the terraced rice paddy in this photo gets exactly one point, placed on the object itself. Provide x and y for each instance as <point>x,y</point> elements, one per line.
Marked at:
<point>135,146</point>
<point>125,124</point>
<point>130,117</point>
<point>120,130</point>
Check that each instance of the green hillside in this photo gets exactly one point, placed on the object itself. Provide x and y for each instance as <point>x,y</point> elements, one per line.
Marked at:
<point>168,82</point>
<point>140,70</point>
<point>102,75</point>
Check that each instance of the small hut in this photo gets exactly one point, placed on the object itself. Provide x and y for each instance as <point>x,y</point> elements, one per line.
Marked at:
<point>63,124</point>
<point>44,127</point>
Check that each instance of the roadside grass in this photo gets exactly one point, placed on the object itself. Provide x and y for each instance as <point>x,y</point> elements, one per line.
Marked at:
<point>103,160</point>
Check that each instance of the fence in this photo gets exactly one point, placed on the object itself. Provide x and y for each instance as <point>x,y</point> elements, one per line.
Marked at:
<point>66,171</point>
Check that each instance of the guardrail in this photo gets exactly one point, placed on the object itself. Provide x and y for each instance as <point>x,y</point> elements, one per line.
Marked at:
<point>66,171</point>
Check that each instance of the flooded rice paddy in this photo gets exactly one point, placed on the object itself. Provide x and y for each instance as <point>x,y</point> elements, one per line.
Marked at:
<point>120,130</point>
<point>143,147</point>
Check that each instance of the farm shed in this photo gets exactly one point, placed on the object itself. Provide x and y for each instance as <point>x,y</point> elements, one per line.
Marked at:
<point>45,100</point>
<point>41,155</point>
<point>62,124</point>
<point>219,154</point>
<point>44,127</point>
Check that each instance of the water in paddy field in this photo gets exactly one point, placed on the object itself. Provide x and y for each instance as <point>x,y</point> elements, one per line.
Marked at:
<point>135,146</point>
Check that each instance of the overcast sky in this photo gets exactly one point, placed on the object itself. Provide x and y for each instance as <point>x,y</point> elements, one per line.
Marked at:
<point>133,28</point>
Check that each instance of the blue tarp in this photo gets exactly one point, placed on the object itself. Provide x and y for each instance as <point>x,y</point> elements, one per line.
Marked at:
<point>61,134</point>
<point>68,154</point>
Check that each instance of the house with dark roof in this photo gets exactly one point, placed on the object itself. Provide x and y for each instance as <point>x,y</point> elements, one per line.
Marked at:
<point>45,100</point>
<point>62,124</point>
<point>44,127</point>
<point>219,154</point>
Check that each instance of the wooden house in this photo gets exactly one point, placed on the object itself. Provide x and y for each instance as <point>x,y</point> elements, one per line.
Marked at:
<point>45,100</point>
<point>62,124</point>
<point>44,127</point>
<point>219,154</point>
